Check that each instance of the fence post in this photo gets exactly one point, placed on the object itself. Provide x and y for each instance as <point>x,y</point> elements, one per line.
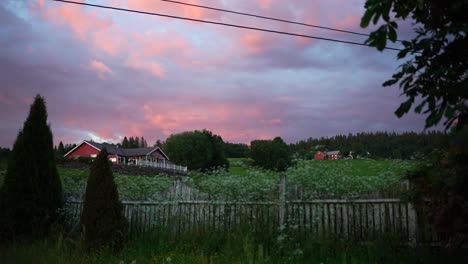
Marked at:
<point>282,200</point>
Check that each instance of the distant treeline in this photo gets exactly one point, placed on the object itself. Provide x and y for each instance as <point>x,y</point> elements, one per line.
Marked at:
<point>380,145</point>
<point>374,145</point>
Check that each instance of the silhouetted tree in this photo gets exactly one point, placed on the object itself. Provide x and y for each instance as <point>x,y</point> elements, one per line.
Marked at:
<point>61,149</point>
<point>102,220</point>
<point>196,150</point>
<point>270,154</point>
<point>32,191</point>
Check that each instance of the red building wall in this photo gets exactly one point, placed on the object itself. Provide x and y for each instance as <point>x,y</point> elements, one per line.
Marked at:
<point>319,155</point>
<point>84,150</point>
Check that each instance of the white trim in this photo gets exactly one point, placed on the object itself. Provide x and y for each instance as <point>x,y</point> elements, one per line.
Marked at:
<point>84,141</point>
<point>160,150</point>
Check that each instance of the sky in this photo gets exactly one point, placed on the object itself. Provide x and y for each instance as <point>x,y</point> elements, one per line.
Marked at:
<point>108,74</point>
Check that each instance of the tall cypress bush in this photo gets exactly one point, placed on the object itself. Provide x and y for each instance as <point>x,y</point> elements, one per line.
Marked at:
<point>32,191</point>
<point>102,220</point>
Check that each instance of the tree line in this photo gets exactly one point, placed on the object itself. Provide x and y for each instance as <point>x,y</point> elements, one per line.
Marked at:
<point>382,145</point>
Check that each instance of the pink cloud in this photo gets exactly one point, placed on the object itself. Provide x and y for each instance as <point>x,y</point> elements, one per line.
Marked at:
<point>99,68</point>
<point>174,9</point>
<point>138,63</point>
<point>80,21</point>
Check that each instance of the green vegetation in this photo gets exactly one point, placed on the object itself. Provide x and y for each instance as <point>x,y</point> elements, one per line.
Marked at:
<point>270,154</point>
<point>130,187</point>
<point>102,221</point>
<point>239,246</point>
<point>242,181</point>
<point>196,150</point>
<point>376,145</point>
<point>347,177</point>
<point>437,59</point>
<point>334,178</point>
<point>32,192</point>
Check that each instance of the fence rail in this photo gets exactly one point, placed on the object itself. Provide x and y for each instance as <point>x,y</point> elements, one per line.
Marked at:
<point>161,165</point>
<point>347,219</point>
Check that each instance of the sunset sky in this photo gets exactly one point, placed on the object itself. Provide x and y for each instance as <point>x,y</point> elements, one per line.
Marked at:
<point>106,74</point>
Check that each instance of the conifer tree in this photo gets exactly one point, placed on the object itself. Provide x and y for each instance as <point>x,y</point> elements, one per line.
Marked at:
<point>61,149</point>
<point>102,219</point>
<point>32,191</point>
<point>125,142</point>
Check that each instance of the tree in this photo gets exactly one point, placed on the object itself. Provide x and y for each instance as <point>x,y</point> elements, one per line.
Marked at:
<point>159,143</point>
<point>270,154</point>
<point>435,72</point>
<point>137,143</point>
<point>32,191</point>
<point>102,219</point>
<point>61,149</point>
<point>125,143</point>
<point>196,150</point>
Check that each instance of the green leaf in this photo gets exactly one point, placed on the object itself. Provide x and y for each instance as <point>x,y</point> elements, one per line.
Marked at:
<point>392,35</point>
<point>367,17</point>
<point>390,82</point>
<point>404,108</point>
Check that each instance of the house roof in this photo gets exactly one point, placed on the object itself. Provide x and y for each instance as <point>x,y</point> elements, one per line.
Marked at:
<point>335,152</point>
<point>124,152</point>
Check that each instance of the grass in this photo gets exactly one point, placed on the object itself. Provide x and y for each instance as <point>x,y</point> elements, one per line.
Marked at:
<point>239,246</point>
<point>238,166</point>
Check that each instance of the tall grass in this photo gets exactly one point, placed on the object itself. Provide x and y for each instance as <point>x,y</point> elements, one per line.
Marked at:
<point>242,245</point>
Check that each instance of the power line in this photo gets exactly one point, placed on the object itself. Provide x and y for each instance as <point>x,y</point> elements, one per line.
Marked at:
<point>267,18</point>
<point>220,23</point>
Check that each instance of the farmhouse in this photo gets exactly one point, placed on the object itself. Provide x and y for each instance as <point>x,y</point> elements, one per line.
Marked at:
<point>118,155</point>
<point>330,155</point>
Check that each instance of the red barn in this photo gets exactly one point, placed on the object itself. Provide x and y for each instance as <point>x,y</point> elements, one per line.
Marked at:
<point>117,155</point>
<point>319,155</point>
<point>327,155</point>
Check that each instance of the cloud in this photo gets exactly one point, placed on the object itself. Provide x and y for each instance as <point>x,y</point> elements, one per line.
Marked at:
<point>99,68</point>
<point>152,67</point>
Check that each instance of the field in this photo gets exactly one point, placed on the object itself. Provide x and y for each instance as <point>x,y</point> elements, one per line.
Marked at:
<point>243,244</point>
<point>342,178</point>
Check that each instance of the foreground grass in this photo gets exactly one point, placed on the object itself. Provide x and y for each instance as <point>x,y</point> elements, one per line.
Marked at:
<point>202,246</point>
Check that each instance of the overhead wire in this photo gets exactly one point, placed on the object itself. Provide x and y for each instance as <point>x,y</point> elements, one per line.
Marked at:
<point>220,23</point>
<point>267,18</point>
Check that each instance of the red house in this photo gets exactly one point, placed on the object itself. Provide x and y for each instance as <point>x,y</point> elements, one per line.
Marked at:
<point>319,155</point>
<point>327,155</point>
<point>118,155</point>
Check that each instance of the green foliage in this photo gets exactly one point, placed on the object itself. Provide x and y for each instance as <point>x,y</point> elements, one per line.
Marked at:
<point>347,178</point>
<point>253,185</point>
<point>133,142</point>
<point>443,177</point>
<point>437,57</point>
<point>129,187</point>
<point>102,220</point>
<point>196,150</point>
<point>233,150</point>
<point>375,145</point>
<point>332,179</point>
<point>270,154</point>
<point>32,192</point>
<point>239,246</point>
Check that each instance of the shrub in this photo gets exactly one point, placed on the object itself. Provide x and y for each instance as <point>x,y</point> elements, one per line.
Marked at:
<point>102,219</point>
<point>32,191</point>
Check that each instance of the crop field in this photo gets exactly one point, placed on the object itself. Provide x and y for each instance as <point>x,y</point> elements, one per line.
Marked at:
<point>243,182</point>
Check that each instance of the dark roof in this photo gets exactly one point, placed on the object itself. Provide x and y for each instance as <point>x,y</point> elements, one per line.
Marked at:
<point>125,152</point>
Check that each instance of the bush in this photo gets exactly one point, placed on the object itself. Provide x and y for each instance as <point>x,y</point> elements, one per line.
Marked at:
<point>32,191</point>
<point>102,220</point>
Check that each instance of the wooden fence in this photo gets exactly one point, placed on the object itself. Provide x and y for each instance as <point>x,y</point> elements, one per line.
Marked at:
<point>347,219</point>
<point>183,208</point>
